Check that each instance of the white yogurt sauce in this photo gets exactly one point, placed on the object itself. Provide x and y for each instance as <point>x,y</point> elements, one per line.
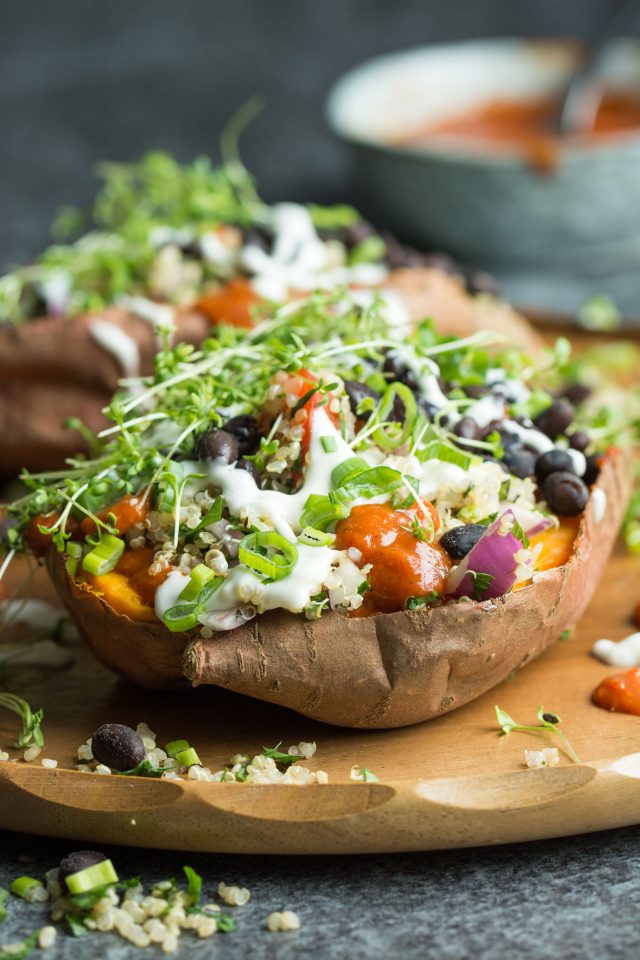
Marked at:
<point>485,410</point>
<point>300,260</point>
<point>281,510</point>
<point>530,437</point>
<point>626,653</point>
<point>599,499</point>
<point>437,475</point>
<point>159,315</point>
<point>119,344</point>
<point>579,461</point>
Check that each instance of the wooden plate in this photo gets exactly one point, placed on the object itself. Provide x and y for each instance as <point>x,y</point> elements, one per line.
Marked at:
<point>448,783</point>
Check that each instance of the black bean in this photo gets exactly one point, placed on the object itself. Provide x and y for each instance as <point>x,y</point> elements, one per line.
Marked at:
<point>565,493</point>
<point>467,429</point>
<point>555,419</point>
<point>575,392</point>
<point>443,262</point>
<point>399,256</point>
<point>354,234</point>
<point>398,371</point>
<point>249,467</point>
<point>244,428</point>
<point>357,392</point>
<point>261,237</point>
<point>77,861</point>
<point>552,461</point>
<point>117,746</point>
<point>592,472</point>
<point>475,391</point>
<point>217,444</point>
<point>521,462</point>
<point>477,281</point>
<point>459,540</point>
<point>579,440</point>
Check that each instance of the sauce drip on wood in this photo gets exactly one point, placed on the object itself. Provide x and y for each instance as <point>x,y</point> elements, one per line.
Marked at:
<point>619,693</point>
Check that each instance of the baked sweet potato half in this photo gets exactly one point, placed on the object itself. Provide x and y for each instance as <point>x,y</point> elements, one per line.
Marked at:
<point>387,670</point>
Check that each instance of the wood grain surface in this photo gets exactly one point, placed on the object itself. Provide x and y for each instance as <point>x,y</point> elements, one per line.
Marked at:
<point>450,782</point>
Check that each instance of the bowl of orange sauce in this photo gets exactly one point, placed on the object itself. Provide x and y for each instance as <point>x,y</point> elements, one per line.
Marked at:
<point>457,147</point>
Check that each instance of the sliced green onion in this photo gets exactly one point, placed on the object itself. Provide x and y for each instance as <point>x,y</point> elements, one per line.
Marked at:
<point>320,512</point>
<point>176,746</point>
<point>269,553</point>
<point>370,250</point>
<point>104,556</point>
<point>315,538</point>
<point>329,444</point>
<point>74,553</point>
<point>187,758</point>
<point>99,875</point>
<point>184,616</point>
<point>348,469</point>
<point>200,575</point>
<point>370,483</point>
<point>22,885</point>
<point>394,434</point>
<point>438,450</point>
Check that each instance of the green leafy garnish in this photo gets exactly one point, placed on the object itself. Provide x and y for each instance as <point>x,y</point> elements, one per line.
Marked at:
<point>549,723</point>
<point>21,949</point>
<point>195,886</point>
<point>31,730</point>
<point>481,583</point>
<point>4,894</point>
<point>418,603</point>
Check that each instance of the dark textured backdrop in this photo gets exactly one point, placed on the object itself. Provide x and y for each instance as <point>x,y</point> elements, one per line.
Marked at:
<point>84,80</point>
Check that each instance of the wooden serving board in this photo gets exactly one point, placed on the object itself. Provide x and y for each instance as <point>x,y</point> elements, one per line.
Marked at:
<point>450,782</point>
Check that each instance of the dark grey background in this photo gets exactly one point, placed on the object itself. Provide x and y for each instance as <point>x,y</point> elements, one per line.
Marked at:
<point>83,80</point>
<point>574,899</point>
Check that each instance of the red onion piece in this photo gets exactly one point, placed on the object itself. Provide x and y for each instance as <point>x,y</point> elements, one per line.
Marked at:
<point>493,554</point>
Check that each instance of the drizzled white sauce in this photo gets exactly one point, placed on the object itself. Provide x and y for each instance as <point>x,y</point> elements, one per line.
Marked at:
<point>485,410</point>
<point>438,475</point>
<point>599,499</point>
<point>215,251</point>
<point>626,653</point>
<point>119,344</point>
<point>159,315</point>
<point>300,260</point>
<point>529,436</point>
<point>292,593</point>
<point>281,510</point>
<point>180,236</point>
<point>579,462</point>
<point>395,308</point>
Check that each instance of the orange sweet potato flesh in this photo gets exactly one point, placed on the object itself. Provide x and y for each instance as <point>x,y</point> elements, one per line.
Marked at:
<point>388,670</point>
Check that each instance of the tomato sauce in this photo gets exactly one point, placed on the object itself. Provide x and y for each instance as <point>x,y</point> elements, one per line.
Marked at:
<point>619,693</point>
<point>232,303</point>
<point>402,565</point>
<point>529,126</point>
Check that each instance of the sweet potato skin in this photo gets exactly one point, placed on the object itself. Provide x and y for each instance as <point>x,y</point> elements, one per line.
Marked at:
<point>391,670</point>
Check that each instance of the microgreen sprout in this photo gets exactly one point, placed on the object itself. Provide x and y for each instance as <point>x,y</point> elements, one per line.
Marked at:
<point>549,724</point>
<point>31,722</point>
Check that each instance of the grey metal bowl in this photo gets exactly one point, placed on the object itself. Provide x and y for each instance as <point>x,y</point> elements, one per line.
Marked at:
<point>486,206</point>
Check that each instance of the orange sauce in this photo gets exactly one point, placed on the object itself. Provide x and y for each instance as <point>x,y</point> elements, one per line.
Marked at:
<point>231,304</point>
<point>620,692</point>
<point>529,126</point>
<point>402,565</point>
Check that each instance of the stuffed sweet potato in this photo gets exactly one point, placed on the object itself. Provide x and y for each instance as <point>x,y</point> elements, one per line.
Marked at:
<point>369,527</point>
<point>188,247</point>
